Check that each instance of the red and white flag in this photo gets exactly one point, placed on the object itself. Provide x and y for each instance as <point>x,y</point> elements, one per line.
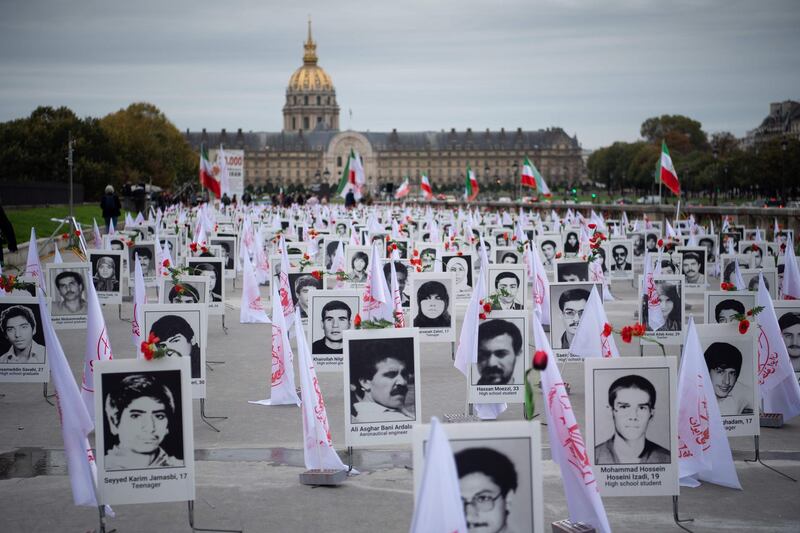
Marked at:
<point>33,267</point>
<point>438,507</point>
<point>703,449</point>
<point>98,347</point>
<point>589,340</point>
<point>649,294</point>
<point>338,264</point>
<point>207,179</point>
<point>76,422</point>
<point>471,187</point>
<point>425,187</point>
<point>139,299</point>
<point>776,380</point>
<point>284,290</point>
<point>790,289</point>
<point>397,299</point>
<point>318,450</point>
<point>467,352</point>
<point>376,301</point>
<point>567,446</point>
<point>540,286</point>
<point>666,170</point>
<point>283,391</point>
<point>252,307</point>
<point>403,190</point>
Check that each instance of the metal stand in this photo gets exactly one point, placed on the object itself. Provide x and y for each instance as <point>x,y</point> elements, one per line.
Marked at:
<point>102,510</point>
<point>205,418</point>
<point>453,350</point>
<point>757,459</point>
<point>676,518</point>
<point>224,328</point>
<point>47,396</point>
<point>191,522</point>
<point>119,314</point>
<point>349,459</point>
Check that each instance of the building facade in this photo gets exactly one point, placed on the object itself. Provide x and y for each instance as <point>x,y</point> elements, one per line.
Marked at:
<point>783,122</point>
<point>312,150</point>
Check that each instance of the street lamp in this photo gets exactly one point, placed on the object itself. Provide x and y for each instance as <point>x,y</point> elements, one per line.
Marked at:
<point>515,176</point>
<point>784,146</point>
<point>715,153</point>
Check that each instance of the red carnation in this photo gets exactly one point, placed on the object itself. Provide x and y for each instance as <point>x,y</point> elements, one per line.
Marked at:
<point>316,275</point>
<point>306,257</point>
<point>394,246</point>
<point>77,233</point>
<point>638,329</point>
<point>459,253</point>
<point>165,263</point>
<point>193,246</point>
<point>607,329</point>
<point>482,316</point>
<point>660,243</point>
<point>749,312</point>
<point>558,255</point>
<point>357,321</point>
<point>419,268</point>
<point>415,252</point>
<point>744,325</point>
<point>487,307</point>
<point>592,225</point>
<point>540,360</point>
<point>65,236</point>
<point>626,334</point>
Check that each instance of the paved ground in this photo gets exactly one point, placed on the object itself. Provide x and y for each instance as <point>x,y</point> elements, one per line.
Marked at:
<point>247,474</point>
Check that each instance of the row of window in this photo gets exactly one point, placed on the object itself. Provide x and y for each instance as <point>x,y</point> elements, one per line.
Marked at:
<point>305,100</point>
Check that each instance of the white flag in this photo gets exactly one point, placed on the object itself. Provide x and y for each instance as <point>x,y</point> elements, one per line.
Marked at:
<point>737,278</point>
<point>76,423</point>
<point>98,347</point>
<point>376,301</point>
<point>282,381</point>
<point>703,449</point>
<point>467,352</point>
<point>567,446</point>
<point>56,254</point>
<point>776,380</point>
<point>224,177</point>
<point>338,265</point>
<point>540,286</point>
<point>97,237</point>
<point>139,299</point>
<point>285,288</point>
<point>33,267</point>
<point>438,507</point>
<point>318,450</point>
<point>790,289</point>
<point>252,308</point>
<point>589,340</point>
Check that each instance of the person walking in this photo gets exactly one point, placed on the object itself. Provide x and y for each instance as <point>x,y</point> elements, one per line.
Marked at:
<point>111,207</point>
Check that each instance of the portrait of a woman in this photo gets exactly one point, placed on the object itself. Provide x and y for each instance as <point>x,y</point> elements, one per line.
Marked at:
<point>433,304</point>
<point>571,244</point>
<point>105,275</point>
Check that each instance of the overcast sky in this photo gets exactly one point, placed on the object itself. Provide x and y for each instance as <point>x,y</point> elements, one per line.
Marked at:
<point>595,68</point>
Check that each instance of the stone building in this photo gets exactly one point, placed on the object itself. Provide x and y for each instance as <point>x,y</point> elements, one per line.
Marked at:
<point>312,150</point>
<point>782,122</point>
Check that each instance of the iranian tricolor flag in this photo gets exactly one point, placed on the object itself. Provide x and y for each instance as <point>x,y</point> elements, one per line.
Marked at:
<point>471,187</point>
<point>403,190</point>
<point>531,177</point>
<point>425,185</point>
<point>352,177</point>
<point>667,171</point>
<point>207,178</point>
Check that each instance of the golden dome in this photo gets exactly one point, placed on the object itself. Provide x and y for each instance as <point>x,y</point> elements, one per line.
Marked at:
<point>310,77</point>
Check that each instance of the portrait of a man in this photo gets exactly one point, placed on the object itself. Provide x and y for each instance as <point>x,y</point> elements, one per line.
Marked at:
<point>401,271</point>
<point>178,338</point>
<point>619,252</point>
<point>577,271</point>
<point>71,294</point>
<point>19,327</point>
<point>632,400</point>
<point>790,331</point>
<point>692,267</point>
<point>301,285</point>
<point>548,248</point>
<point>145,254</point>
<point>571,304</point>
<point>213,272</point>
<point>724,362</point>
<point>710,247</point>
<point>507,285</point>
<point>184,293</point>
<point>142,424</point>
<point>499,348</point>
<point>726,310</point>
<point>488,481</point>
<point>381,376</point>
<point>337,317</point>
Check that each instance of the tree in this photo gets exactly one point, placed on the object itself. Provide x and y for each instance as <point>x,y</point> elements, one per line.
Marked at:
<point>681,133</point>
<point>148,146</point>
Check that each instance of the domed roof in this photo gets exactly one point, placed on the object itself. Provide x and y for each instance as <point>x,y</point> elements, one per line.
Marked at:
<point>310,77</point>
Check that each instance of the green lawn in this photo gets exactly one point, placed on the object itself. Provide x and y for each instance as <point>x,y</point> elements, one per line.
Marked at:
<point>39,218</point>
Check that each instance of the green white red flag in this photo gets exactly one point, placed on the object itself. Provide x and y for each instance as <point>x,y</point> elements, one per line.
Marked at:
<point>403,190</point>
<point>667,170</point>
<point>531,177</point>
<point>352,177</point>
<point>471,187</point>
<point>207,179</point>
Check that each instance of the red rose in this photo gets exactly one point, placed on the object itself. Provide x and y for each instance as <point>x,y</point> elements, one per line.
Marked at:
<point>316,275</point>
<point>744,325</point>
<point>165,263</point>
<point>482,316</point>
<point>77,233</point>
<point>487,307</point>
<point>65,236</point>
<point>394,246</point>
<point>607,329</point>
<point>660,243</point>
<point>626,334</point>
<point>193,246</point>
<point>540,360</point>
<point>592,225</point>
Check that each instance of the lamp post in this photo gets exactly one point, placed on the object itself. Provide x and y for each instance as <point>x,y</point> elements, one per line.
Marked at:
<point>784,146</point>
<point>715,153</point>
<point>515,176</point>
